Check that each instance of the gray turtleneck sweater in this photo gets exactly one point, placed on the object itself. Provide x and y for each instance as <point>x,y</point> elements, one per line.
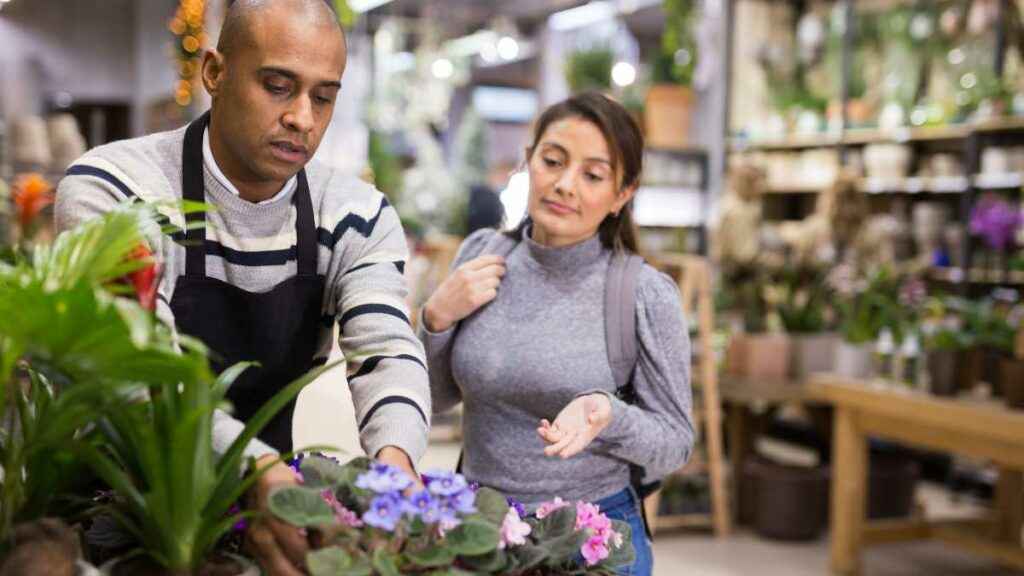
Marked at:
<point>540,344</point>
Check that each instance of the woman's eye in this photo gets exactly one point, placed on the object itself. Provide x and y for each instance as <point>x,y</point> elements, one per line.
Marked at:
<point>551,162</point>
<point>594,177</point>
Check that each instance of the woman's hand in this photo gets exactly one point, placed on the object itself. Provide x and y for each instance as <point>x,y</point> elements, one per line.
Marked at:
<point>576,426</point>
<point>469,287</point>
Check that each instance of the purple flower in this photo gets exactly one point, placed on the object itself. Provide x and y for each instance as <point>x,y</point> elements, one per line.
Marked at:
<point>424,506</point>
<point>995,220</point>
<point>449,515</point>
<point>385,511</point>
<point>464,501</point>
<point>913,293</point>
<point>382,479</point>
<point>445,483</point>
<point>513,503</point>
<point>241,525</point>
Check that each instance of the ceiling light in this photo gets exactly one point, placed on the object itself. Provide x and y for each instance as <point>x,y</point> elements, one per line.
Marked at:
<point>508,48</point>
<point>442,68</point>
<point>623,74</point>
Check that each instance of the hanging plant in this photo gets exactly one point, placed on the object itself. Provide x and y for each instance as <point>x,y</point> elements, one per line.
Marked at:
<point>189,38</point>
<point>590,69</point>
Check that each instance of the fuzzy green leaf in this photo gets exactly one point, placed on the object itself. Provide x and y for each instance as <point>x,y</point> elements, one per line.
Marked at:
<point>472,538</point>
<point>300,506</point>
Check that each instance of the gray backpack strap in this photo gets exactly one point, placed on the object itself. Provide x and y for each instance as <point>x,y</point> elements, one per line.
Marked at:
<point>499,245</point>
<point>620,315</point>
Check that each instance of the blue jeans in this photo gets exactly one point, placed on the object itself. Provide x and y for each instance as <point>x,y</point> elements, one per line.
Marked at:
<point>625,507</point>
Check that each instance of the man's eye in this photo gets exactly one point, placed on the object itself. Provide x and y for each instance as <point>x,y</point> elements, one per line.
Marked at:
<point>276,88</point>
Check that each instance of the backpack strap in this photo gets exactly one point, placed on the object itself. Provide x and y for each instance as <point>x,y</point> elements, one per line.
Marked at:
<point>620,317</point>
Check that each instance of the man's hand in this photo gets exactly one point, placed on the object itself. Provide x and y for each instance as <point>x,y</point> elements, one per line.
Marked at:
<point>576,425</point>
<point>397,457</point>
<point>280,548</point>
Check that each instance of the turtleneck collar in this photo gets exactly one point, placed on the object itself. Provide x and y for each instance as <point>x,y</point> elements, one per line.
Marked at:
<point>563,259</point>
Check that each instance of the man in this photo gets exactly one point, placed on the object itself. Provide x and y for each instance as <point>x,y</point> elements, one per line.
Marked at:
<point>289,248</point>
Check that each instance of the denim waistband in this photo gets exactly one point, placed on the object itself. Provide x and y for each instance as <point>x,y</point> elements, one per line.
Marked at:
<point>621,498</point>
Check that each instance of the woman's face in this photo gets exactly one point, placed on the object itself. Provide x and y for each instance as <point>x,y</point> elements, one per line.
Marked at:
<point>573,185</point>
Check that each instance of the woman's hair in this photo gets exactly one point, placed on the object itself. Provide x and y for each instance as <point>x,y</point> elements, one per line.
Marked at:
<point>626,144</point>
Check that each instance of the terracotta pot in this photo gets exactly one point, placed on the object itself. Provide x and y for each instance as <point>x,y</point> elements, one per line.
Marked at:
<point>812,353</point>
<point>667,110</point>
<point>942,371</point>
<point>139,566</point>
<point>1012,373</point>
<point>759,356</point>
<point>854,360</point>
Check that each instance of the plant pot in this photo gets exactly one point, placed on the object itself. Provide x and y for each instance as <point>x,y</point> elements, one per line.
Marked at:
<point>991,361</point>
<point>791,501</point>
<point>759,356</point>
<point>854,360</point>
<point>942,372</point>
<point>891,486</point>
<point>1012,373</point>
<point>667,116</point>
<point>812,353</point>
<point>223,565</point>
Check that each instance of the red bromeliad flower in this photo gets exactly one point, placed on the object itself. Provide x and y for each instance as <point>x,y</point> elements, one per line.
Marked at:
<point>31,194</point>
<point>145,280</point>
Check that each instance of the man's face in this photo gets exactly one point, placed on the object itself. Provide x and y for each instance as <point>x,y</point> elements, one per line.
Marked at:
<point>276,96</point>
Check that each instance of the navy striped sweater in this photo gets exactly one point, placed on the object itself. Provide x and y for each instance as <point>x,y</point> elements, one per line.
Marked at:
<point>362,251</point>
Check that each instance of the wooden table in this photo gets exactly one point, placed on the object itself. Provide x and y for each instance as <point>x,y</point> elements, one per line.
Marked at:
<point>972,428</point>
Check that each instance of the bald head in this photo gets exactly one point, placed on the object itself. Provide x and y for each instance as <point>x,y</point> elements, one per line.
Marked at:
<point>244,15</point>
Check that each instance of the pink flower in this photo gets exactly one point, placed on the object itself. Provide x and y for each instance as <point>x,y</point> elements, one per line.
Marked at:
<point>547,508</point>
<point>513,530</point>
<point>594,550</point>
<point>343,515</point>
<point>586,514</point>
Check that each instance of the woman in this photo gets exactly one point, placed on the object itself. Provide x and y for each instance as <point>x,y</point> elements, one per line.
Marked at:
<point>520,339</point>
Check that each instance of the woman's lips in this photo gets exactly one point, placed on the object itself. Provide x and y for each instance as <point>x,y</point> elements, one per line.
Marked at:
<point>560,209</point>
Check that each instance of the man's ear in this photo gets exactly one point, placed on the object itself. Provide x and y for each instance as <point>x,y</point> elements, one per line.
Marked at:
<point>213,71</point>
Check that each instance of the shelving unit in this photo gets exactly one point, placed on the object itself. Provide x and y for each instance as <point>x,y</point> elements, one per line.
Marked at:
<point>966,140</point>
<point>664,205</point>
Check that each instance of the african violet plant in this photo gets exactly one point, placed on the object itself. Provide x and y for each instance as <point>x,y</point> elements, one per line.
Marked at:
<point>363,520</point>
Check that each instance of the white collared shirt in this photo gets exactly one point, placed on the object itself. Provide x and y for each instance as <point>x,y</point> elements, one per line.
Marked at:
<point>211,165</point>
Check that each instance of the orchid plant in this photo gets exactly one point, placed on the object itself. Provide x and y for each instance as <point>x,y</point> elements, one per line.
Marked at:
<point>368,518</point>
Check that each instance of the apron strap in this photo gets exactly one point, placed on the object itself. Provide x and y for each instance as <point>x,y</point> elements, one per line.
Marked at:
<point>193,189</point>
<point>305,228</point>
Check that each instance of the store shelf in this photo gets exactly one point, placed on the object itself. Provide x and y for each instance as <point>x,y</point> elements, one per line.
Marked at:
<point>668,206</point>
<point>862,136</point>
<point>944,185</point>
<point>999,181</point>
<point>977,276</point>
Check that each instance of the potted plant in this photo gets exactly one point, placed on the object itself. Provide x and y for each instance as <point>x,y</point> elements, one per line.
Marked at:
<point>866,306</point>
<point>992,338</point>
<point>670,99</point>
<point>760,351</point>
<point>75,351</point>
<point>362,519</point>
<point>945,341</point>
<point>803,309</point>
<point>173,494</point>
<point>590,69</point>
<point>1013,374</point>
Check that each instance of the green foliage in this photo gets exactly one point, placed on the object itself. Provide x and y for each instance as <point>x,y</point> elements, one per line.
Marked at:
<point>804,304</point>
<point>868,310</point>
<point>985,323</point>
<point>74,352</point>
<point>589,70</point>
<point>677,38</point>
<point>386,167</point>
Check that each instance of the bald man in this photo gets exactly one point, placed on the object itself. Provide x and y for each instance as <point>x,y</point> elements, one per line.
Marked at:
<point>290,249</point>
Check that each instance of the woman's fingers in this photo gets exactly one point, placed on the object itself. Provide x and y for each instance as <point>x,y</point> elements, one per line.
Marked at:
<point>561,444</point>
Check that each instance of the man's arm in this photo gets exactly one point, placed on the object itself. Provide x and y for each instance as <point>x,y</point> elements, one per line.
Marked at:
<point>386,367</point>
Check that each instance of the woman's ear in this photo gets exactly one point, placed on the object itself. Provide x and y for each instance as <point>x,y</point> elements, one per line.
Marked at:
<point>625,195</point>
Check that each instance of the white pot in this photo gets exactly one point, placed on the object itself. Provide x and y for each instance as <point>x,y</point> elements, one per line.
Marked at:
<point>854,360</point>
<point>249,568</point>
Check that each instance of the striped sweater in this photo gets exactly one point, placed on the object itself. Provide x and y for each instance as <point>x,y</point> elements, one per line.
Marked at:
<point>362,251</point>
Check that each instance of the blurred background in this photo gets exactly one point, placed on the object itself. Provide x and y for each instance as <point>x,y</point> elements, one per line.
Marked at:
<point>834,184</point>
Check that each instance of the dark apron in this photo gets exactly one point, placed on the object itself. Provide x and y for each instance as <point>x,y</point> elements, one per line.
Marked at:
<point>279,329</point>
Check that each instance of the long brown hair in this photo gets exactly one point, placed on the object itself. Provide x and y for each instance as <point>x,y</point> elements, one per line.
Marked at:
<point>626,144</point>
